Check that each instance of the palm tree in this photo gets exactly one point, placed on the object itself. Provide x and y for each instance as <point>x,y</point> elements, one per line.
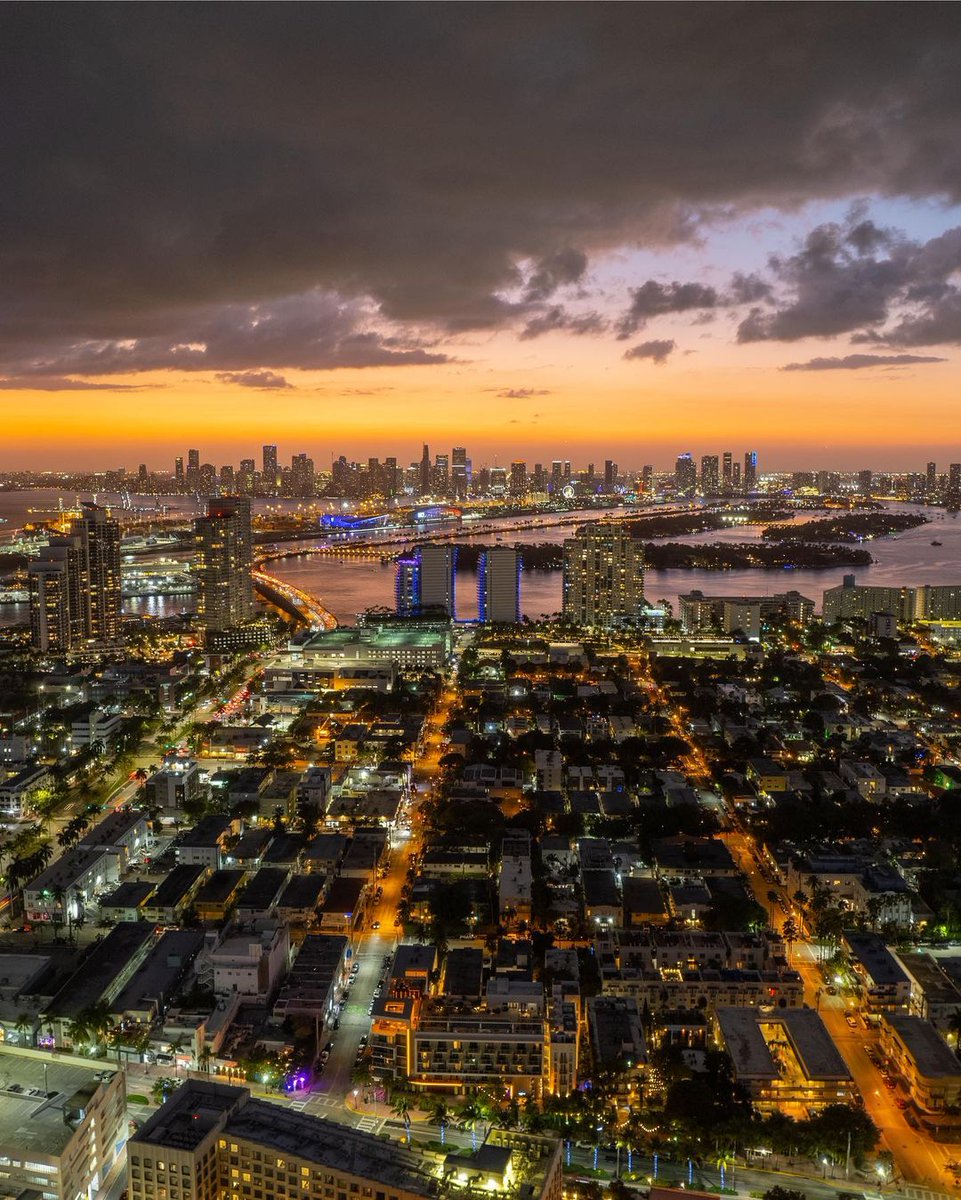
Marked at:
<point>954,1026</point>
<point>25,1025</point>
<point>204,1057</point>
<point>400,1104</point>
<point>440,1115</point>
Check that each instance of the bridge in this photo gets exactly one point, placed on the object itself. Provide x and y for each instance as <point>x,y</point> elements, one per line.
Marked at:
<point>298,604</point>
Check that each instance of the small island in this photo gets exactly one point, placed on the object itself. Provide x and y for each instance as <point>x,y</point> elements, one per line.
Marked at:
<point>849,527</point>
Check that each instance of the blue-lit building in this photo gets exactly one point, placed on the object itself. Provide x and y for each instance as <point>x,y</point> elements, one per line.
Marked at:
<point>499,585</point>
<point>407,586</point>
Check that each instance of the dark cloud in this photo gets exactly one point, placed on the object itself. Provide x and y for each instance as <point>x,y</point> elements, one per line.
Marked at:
<point>658,350</point>
<point>859,362</point>
<point>565,267</point>
<point>653,299</point>
<point>557,318</point>
<point>267,380</point>
<point>168,161</point>
<point>522,393</point>
<point>311,331</point>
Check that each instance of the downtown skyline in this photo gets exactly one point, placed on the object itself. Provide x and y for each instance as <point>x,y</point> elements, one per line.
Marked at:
<point>557,227</point>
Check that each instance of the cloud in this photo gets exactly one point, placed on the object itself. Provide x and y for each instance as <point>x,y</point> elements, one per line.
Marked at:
<point>522,393</point>
<point>653,299</point>
<point>268,380</point>
<point>658,350</point>
<point>858,362</point>
<point>313,331</point>
<point>59,383</point>
<point>558,318</point>
<point>286,158</point>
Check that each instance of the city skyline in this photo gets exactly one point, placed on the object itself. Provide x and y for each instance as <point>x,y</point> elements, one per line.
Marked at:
<point>579,223</point>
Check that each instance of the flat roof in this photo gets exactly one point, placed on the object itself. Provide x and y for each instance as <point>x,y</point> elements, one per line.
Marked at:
<point>32,1117</point>
<point>874,956</point>
<point>131,894</point>
<point>104,962</point>
<point>160,971</point>
<point>219,887</point>
<point>263,888</point>
<point>742,1030</point>
<point>112,828</point>
<point>931,1053</point>
<point>178,882</point>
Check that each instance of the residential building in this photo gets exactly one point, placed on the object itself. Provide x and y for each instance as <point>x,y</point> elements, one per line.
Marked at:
<point>225,595</point>
<point>499,585</point>
<point>923,1059</point>
<point>603,582</point>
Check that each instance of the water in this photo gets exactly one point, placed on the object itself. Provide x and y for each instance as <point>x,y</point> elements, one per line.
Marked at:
<point>348,587</point>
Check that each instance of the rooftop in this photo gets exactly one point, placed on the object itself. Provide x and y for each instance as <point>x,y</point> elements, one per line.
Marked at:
<point>32,1100</point>
<point>931,1053</point>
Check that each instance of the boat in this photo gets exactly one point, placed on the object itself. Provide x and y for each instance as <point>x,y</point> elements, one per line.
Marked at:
<point>935,543</point>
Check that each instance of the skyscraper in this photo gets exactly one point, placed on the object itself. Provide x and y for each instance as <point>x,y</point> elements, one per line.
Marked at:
<point>610,475</point>
<point>302,476</point>
<point>75,593</point>
<point>604,576</point>
<point>685,475</point>
<point>193,470</point>
<point>954,483</point>
<point>56,608</point>
<point>179,478</point>
<point>865,482</point>
<point>438,578</point>
<point>499,585</point>
<point>407,586</point>
<point>736,477</point>
<point>459,472</point>
<point>224,561</point>
<point>245,477</point>
<point>727,481</point>
<point>99,536</point>
<point>270,470</point>
<point>750,471</point>
<point>710,479</point>
<point>425,471</point>
<point>518,481</point>
<point>647,479</point>
<point>931,483</point>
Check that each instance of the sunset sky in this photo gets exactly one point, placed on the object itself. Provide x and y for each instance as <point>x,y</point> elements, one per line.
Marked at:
<point>544,231</point>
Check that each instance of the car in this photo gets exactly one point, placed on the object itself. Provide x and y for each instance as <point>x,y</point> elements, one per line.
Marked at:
<point>363,1040</point>
<point>375,925</point>
<point>831,990</point>
<point>901,1102</point>
<point>851,1020</point>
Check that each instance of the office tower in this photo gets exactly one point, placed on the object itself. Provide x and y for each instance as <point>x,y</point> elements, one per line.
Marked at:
<point>459,472</point>
<point>496,483</point>
<point>269,474</point>
<point>736,477</point>
<point>226,483</point>
<point>56,608</point>
<point>245,477</point>
<point>99,536</point>
<point>603,576</point>
<point>954,483</point>
<point>685,475</point>
<point>441,485</point>
<point>207,482</point>
<point>224,560</point>
<point>931,483</point>
<point>392,477</point>
<point>727,478</point>
<point>143,479</point>
<point>193,470</point>
<point>425,471</point>
<point>567,470</point>
<point>539,478</point>
<point>407,586</point>
<point>499,586</point>
<point>710,479</point>
<point>438,578</point>
<point>828,483</point>
<point>518,483</point>
<point>865,483</point>
<point>179,479</point>
<point>610,475</point>
<point>557,478</point>
<point>302,476</point>
<point>647,479</point>
<point>750,471</point>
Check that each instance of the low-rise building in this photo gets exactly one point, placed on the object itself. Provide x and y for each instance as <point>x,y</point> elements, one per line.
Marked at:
<point>175,786</point>
<point>19,791</point>
<point>923,1059</point>
<point>251,962</point>
<point>64,890</point>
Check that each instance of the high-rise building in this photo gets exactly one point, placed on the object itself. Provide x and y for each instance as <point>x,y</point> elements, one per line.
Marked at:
<point>604,576</point>
<point>499,585</point>
<point>224,561</point>
<point>647,479</point>
<point>518,482</point>
<point>75,586</point>
<point>727,478</point>
<point>57,622</point>
<point>99,536</point>
<point>750,471</point>
<point>459,472</point>
<point>245,477</point>
<point>557,476</point>
<point>270,474</point>
<point>954,483</point>
<point>685,475</point>
<point>438,578</point>
<point>931,479</point>
<point>736,477</point>
<point>710,478</point>
<point>193,470</point>
<point>407,586</point>
<point>610,475</point>
<point>227,485</point>
<point>865,482</point>
<point>425,480</point>
<point>302,476</point>
<point>179,478</point>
